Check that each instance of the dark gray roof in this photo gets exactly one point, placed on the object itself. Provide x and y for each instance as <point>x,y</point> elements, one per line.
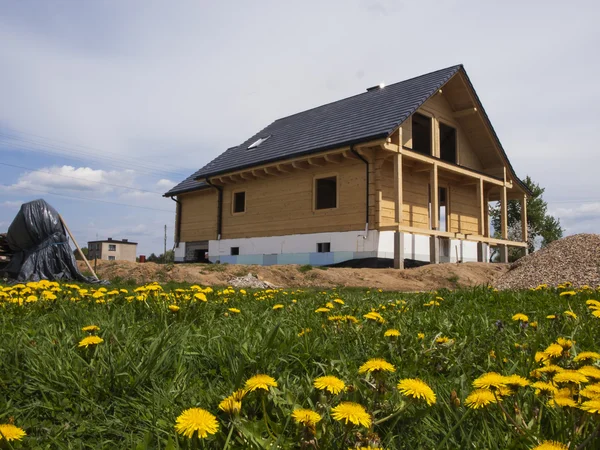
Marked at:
<point>371,115</point>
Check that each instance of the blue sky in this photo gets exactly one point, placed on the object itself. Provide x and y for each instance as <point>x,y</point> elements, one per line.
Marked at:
<point>116,101</point>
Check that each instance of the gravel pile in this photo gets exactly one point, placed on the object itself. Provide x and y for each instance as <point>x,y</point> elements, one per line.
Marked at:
<point>250,281</point>
<point>574,258</point>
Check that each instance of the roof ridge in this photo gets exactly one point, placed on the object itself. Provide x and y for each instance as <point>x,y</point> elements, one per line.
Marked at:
<point>456,66</point>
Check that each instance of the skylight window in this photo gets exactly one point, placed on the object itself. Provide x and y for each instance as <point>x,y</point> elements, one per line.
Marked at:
<point>258,142</point>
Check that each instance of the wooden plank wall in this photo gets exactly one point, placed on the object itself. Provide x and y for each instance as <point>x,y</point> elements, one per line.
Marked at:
<point>198,215</point>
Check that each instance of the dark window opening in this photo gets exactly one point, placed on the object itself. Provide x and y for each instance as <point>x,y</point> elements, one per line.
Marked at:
<point>112,248</point>
<point>447,143</point>
<point>326,193</point>
<point>323,247</point>
<point>443,209</point>
<point>235,251</point>
<point>239,202</point>
<point>421,133</point>
<point>111,258</point>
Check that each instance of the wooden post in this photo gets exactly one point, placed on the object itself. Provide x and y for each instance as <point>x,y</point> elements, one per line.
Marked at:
<point>398,203</point>
<point>504,213</point>
<point>435,208</point>
<point>524,234</point>
<point>482,207</point>
<point>486,215</point>
<point>78,249</point>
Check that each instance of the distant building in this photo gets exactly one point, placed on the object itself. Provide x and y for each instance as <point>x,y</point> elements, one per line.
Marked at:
<point>112,250</point>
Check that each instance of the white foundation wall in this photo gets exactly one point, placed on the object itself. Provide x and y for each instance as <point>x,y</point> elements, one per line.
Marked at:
<point>180,252</point>
<point>417,247</point>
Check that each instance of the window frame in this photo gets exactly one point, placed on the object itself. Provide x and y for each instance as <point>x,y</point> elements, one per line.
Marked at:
<point>236,253</point>
<point>112,258</point>
<point>337,191</point>
<point>432,131</point>
<point>233,194</point>
<point>454,126</point>
<point>328,244</point>
<point>112,247</point>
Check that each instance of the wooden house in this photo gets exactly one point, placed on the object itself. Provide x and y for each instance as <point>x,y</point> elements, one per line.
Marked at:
<point>399,171</point>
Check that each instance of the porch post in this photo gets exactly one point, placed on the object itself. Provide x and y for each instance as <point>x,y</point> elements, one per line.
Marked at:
<point>398,203</point>
<point>481,200</point>
<point>434,244</point>
<point>504,209</point>
<point>524,235</point>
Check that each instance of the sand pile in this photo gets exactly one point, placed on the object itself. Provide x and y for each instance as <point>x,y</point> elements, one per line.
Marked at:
<point>574,258</point>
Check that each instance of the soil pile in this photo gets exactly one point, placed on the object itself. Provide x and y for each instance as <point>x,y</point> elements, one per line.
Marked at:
<point>424,278</point>
<point>574,258</point>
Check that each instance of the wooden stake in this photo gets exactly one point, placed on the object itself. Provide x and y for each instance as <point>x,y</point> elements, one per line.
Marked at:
<point>78,249</point>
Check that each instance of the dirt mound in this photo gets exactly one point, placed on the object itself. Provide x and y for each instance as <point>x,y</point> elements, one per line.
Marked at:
<point>574,258</point>
<point>289,276</point>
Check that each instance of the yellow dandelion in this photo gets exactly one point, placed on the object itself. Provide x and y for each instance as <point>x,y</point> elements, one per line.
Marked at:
<point>549,369</point>
<point>230,405</point>
<point>521,317</point>
<point>239,394</point>
<point>91,328</point>
<point>322,310</point>
<point>329,305</point>
<point>592,391</point>
<point>596,313</point>
<point>90,340</point>
<point>392,332</point>
<point>339,301</point>
<point>196,420</point>
<point>329,383</point>
<point>490,380</point>
<point>551,316</point>
<point>543,387</point>
<point>415,388</point>
<point>303,331</point>
<point>533,324</point>
<point>375,316</point>
<point>376,365</point>
<point>420,336</point>
<point>569,376</point>
<point>563,401</point>
<point>480,398</point>
<point>278,306</point>
<point>554,350</point>
<point>593,304</point>
<point>260,381</point>
<point>565,343</point>
<point>590,372</point>
<point>234,310</point>
<point>567,293</point>
<point>306,417</point>
<point>570,314</point>
<point>349,412</point>
<point>9,432</point>
<point>174,308</point>
<point>200,296</point>
<point>516,381</point>
<point>584,356</point>
<point>551,445</point>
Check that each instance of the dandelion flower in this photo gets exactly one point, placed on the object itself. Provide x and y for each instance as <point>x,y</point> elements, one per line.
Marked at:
<point>278,306</point>
<point>592,391</point>
<point>322,310</point>
<point>420,336</point>
<point>591,406</point>
<point>593,304</point>
<point>590,371</point>
<point>543,387</point>
<point>230,405</point>
<point>174,308</point>
<point>11,433</point>
<point>260,381</point>
<point>490,380</point>
<point>584,356</point>
<point>570,314</point>
<point>329,383</point>
<point>565,343</point>
<point>567,293</point>
<point>91,328</point>
<point>375,316</point>
<point>596,313</point>
<point>444,340</point>
<point>196,420</point>
<point>234,310</point>
<point>413,387</point>
<point>303,331</point>
<point>551,316</point>
<point>521,317</point>
<point>570,376</point>
<point>392,332</point>
<point>480,398</point>
<point>551,445</point>
<point>90,340</point>
<point>563,401</point>
<point>376,365</point>
<point>306,417</point>
<point>554,350</point>
<point>339,301</point>
<point>353,413</point>
<point>516,381</point>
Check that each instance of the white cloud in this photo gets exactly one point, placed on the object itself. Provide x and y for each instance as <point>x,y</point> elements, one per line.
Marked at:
<point>165,184</point>
<point>71,178</point>
<point>13,204</point>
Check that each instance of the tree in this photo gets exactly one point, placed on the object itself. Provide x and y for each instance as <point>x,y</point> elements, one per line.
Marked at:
<point>540,225</point>
<point>84,250</point>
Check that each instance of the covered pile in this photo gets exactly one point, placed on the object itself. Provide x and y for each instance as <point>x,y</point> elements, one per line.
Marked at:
<point>574,258</point>
<point>40,250</point>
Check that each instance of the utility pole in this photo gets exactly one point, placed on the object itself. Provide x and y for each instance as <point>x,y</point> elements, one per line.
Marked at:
<point>165,252</point>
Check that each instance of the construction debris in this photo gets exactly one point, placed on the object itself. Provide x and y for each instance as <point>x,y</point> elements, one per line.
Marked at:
<point>250,281</point>
<point>574,258</point>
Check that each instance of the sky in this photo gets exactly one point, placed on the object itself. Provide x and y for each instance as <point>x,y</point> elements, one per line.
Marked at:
<point>106,105</point>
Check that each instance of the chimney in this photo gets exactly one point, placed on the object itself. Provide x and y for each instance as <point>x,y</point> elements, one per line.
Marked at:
<point>110,239</point>
<point>125,240</point>
<point>378,87</point>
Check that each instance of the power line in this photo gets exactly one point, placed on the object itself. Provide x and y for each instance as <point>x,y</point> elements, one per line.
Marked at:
<point>79,178</point>
<point>72,146</point>
<point>93,199</point>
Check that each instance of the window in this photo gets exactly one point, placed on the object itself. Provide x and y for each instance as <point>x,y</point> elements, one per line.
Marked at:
<point>235,251</point>
<point>112,247</point>
<point>111,258</point>
<point>421,133</point>
<point>258,142</point>
<point>323,247</point>
<point>443,209</point>
<point>447,143</point>
<point>326,193</point>
<point>239,202</point>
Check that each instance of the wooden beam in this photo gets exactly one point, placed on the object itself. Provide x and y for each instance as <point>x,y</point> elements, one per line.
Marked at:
<point>332,159</point>
<point>257,174</point>
<point>281,169</point>
<point>465,112</point>
<point>348,154</point>
<point>486,217</point>
<point>398,192</point>
<point>247,176</point>
<point>504,213</point>
<point>270,171</point>
<point>299,165</point>
<point>434,191</point>
<point>312,162</point>
<point>524,231</point>
<point>482,207</point>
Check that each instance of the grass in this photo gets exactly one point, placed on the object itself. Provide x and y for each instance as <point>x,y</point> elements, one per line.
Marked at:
<point>128,391</point>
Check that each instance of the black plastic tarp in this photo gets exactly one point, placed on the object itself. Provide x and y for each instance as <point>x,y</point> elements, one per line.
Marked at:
<point>40,245</point>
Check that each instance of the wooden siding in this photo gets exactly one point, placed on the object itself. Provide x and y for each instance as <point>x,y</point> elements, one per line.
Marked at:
<point>464,209</point>
<point>199,215</point>
<point>280,205</point>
